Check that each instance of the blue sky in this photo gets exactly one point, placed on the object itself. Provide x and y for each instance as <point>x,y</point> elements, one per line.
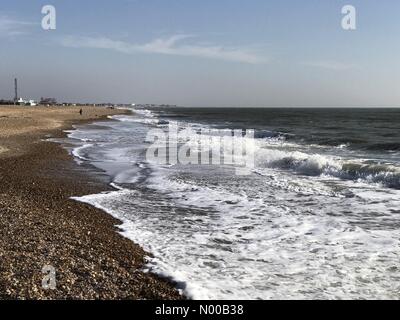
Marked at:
<point>203,53</point>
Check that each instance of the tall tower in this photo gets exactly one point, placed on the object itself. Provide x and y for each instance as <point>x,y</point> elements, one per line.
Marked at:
<point>16,90</point>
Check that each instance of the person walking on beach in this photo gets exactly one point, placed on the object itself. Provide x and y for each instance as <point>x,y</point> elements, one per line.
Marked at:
<point>80,112</point>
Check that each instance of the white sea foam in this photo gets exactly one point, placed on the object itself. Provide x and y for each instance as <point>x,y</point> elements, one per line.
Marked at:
<point>221,244</point>
<point>305,224</point>
<point>78,152</point>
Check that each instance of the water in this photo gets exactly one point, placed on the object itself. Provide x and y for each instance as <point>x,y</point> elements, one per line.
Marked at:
<point>318,216</point>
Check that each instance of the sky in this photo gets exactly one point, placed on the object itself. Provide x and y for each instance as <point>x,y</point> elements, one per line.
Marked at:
<point>203,53</point>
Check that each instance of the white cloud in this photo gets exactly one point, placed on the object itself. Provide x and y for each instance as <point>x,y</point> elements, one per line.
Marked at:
<point>330,65</point>
<point>10,27</point>
<point>175,45</point>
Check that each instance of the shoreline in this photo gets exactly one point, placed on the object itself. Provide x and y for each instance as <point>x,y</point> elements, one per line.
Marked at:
<point>41,226</point>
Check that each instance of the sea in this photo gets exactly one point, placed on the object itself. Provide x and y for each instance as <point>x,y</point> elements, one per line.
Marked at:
<point>317,215</point>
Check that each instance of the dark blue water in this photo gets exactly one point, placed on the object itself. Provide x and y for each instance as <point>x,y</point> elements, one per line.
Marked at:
<point>364,129</point>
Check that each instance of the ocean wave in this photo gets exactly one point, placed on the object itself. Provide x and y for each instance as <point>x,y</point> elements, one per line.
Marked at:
<point>387,175</point>
<point>143,116</point>
<point>77,152</point>
<point>278,150</point>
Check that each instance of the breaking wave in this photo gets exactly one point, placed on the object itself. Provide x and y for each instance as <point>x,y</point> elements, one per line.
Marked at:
<point>387,175</point>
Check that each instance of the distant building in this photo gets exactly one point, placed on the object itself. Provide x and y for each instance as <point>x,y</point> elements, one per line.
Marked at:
<point>48,101</point>
<point>6,102</point>
<point>23,102</point>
